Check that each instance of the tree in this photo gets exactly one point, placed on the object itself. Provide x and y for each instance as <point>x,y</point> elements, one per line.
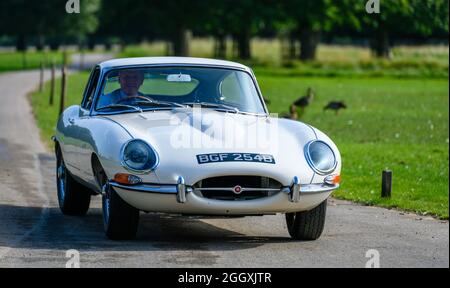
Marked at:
<point>308,18</point>
<point>80,26</point>
<point>43,19</point>
<point>130,20</point>
<point>248,17</point>
<point>404,17</point>
<point>150,19</point>
<point>216,22</point>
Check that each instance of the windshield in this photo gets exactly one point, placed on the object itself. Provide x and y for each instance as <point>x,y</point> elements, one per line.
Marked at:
<point>141,89</point>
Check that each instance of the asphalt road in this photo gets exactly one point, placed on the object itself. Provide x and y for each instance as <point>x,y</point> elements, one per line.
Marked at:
<point>33,232</point>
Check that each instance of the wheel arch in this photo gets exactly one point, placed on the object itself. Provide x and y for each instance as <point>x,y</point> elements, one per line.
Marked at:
<point>98,171</point>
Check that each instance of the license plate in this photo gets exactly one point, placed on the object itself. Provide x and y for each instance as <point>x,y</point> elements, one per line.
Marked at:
<point>235,157</point>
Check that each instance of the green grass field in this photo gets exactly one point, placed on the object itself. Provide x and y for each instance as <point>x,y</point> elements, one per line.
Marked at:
<point>397,124</point>
<point>12,61</point>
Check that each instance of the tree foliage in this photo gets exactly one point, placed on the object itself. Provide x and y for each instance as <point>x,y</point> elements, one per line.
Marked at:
<point>303,21</point>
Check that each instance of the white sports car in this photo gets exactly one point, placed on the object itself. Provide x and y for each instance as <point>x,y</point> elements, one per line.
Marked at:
<point>189,136</point>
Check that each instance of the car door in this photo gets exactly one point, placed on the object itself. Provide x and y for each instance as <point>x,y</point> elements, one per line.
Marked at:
<point>84,135</point>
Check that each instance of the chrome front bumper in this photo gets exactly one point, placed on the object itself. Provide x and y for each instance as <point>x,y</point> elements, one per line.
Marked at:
<point>181,198</point>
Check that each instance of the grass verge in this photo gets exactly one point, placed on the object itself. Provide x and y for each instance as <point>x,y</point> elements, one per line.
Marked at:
<point>13,61</point>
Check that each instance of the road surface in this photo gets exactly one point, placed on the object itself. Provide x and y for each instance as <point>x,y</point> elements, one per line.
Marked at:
<point>33,232</point>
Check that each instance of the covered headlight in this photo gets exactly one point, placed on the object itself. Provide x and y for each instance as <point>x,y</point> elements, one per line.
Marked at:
<point>138,156</point>
<point>320,157</point>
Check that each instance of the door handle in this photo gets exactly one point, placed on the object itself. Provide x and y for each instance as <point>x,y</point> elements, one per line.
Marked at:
<point>71,120</point>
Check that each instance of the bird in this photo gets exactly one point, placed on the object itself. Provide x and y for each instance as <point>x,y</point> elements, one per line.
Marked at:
<point>336,106</point>
<point>304,101</point>
<point>292,113</point>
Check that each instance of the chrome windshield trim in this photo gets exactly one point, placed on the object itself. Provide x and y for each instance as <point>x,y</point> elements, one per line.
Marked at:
<point>105,70</point>
<point>106,113</point>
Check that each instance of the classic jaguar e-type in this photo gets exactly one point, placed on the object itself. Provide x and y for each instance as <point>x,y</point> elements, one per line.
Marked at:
<point>189,136</point>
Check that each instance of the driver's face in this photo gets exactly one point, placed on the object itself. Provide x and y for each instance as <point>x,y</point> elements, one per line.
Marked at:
<point>130,81</point>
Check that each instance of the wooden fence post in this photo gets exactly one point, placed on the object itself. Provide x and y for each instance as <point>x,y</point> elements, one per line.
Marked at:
<point>63,89</point>
<point>52,85</point>
<point>41,77</point>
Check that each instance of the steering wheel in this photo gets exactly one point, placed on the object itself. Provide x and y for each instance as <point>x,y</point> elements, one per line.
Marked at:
<point>149,100</point>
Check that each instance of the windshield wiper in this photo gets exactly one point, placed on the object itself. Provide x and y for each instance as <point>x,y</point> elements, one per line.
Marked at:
<point>214,105</point>
<point>113,106</point>
<point>155,102</point>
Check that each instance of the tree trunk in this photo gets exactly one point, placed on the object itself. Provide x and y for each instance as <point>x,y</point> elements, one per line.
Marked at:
<point>40,44</point>
<point>54,44</point>
<point>91,42</point>
<point>309,39</point>
<point>243,43</point>
<point>235,52</point>
<point>169,49</point>
<point>380,43</point>
<point>220,49</point>
<point>180,42</point>
<point>21,44</point>
<point>292,46</point>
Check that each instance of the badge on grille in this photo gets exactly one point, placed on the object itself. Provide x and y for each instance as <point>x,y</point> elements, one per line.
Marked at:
<point>237,189</point>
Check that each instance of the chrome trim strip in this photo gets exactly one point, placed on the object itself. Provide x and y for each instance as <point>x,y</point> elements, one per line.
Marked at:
<point>231,189</point>
<point>317,188</point>
<point>149,188</point>
<point>173,188</point>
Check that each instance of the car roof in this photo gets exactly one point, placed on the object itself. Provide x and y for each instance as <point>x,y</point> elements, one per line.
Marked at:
<point>123,62</point>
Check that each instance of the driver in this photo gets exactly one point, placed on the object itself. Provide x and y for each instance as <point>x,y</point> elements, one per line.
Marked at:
<point>130,82</point>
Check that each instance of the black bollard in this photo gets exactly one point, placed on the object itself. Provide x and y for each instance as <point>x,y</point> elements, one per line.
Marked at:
<point>386,184</point>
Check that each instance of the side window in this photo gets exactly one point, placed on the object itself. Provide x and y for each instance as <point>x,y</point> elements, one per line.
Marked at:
<point>238,89</point>
<point>230,90</point>
<point>90,89</point>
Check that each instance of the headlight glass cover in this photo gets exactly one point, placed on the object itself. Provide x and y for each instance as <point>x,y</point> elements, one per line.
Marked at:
<point>320,157</point>
<point>139,156</point>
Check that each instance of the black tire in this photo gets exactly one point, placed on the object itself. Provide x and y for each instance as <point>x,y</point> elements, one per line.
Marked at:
<point>307,225</point>
<point>74,199</point>
<point>120,219</point>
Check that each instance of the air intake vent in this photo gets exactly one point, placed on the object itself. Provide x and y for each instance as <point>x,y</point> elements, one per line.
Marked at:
<point>237,187</point>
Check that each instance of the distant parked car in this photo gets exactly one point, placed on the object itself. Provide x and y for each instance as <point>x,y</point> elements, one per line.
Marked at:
<point>123,143</point>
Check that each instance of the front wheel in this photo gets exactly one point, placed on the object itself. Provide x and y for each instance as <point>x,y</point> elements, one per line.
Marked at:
<point>73,198</point>
<point>307,225</point>
<point>119,218</point>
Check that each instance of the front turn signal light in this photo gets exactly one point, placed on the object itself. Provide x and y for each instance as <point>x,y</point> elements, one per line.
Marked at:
<point>127,179</point>
<point>333,179</point>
